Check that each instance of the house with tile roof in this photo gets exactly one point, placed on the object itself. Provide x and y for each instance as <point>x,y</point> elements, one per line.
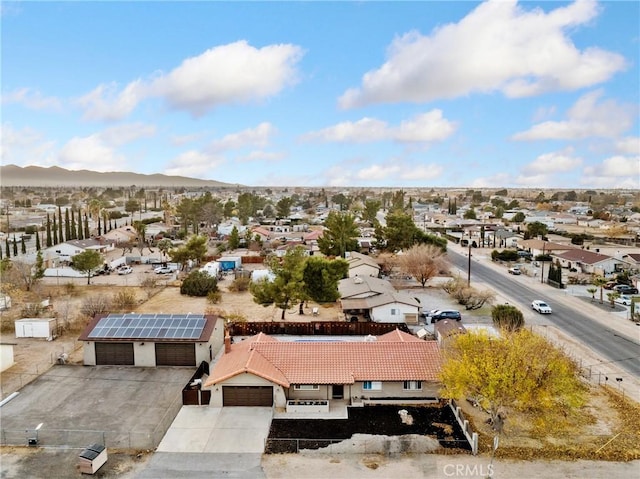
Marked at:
<point>393,368</point>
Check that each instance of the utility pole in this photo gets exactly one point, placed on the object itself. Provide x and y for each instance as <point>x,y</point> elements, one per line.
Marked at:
<point>542,263</point>
<point>469,265</point>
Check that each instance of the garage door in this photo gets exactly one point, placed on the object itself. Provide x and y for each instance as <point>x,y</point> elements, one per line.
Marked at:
<point>114,353</point>
<point>175,354</point>
<point>247,396</point>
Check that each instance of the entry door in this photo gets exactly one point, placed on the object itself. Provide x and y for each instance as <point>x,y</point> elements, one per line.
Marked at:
<point>337,391</point>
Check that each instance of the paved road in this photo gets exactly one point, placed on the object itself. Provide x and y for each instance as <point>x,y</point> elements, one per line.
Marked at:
<point>609,343</point>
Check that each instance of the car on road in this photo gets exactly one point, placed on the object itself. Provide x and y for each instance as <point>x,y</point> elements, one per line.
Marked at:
<point>541,307</point>
<point>515,270</point>
<point>445,314</point>
<point>625,289</point>
<point>125,270</point>
<point>163,270</point>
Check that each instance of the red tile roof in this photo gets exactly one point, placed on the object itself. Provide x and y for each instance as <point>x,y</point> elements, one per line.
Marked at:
<point>395,356</point>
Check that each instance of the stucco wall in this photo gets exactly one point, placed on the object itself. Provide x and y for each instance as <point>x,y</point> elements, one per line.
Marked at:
<point>395,389</point>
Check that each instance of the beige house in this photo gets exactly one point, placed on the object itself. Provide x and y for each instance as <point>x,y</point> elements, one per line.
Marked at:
<point>362,265</point>
<point>394,368</point>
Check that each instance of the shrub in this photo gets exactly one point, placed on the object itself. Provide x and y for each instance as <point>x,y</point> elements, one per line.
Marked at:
<point>505,255</point>
<point>124,300</point>
<point>93,305</point>
<point>198,283</point>
<point>214,297</point>
<point>240,284</point>
<point>507,317</point>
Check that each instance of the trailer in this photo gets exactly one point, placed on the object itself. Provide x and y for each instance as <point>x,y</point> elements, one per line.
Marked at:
<point>229,263</point>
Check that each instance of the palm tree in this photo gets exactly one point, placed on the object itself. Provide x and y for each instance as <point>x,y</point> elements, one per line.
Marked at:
<point>599,282</point>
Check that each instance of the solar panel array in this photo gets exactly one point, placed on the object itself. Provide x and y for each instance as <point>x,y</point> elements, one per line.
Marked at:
<point>149,326</point>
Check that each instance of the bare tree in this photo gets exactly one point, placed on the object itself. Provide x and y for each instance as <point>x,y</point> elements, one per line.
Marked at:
<point>422,262</point>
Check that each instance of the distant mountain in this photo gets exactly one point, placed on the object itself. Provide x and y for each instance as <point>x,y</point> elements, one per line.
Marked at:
<point>12,175</point>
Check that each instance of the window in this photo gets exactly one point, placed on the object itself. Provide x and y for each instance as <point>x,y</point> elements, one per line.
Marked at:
<point>412,385</point>
<point>306,387</point>
<point>372,386</point>
<point>394,311</point>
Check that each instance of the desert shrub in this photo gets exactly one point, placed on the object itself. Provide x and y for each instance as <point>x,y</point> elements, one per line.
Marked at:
<point>240,284</point>
<point>70,288</point>
<point>31,310</point>
<point>93,305</point>
<point>150,286</point>
<point>198,283</point>
<point>124,300</point>
<point>214,297</point>
<point>507,317</point>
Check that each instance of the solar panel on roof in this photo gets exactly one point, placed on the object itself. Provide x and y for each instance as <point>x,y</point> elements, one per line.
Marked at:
<point>149,326</point>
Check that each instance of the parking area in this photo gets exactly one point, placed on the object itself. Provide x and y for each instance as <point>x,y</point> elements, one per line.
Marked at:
<point>120,407</point>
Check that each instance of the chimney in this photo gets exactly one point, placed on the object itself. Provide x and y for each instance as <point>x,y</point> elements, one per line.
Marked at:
<point>227,344</point>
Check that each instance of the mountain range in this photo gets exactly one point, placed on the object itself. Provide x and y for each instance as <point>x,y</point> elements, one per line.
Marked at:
<point>54,176</point>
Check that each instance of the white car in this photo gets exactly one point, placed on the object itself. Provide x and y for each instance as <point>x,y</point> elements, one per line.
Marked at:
<point>125,270</point>
<point>163,270</point>
<point>541,307</point>
<point>624,299</point>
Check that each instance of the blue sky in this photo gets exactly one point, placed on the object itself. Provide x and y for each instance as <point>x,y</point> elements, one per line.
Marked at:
<point>427,94</point>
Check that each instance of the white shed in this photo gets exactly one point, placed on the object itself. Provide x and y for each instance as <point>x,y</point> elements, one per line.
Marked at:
<point>36,328</point>
<point>6,355</point>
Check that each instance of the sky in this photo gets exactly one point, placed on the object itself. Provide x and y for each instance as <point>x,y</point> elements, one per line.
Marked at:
<point>495,94</point>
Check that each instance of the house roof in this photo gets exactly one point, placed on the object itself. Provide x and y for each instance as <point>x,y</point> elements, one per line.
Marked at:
<point>361,285</point>
<point>356,259</point>
<point>394,356</point>
<point>547,246</point>
<point>379,300</point>
<point>583,256</point>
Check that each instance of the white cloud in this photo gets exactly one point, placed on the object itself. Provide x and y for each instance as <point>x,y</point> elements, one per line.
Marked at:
<point>122,134</point>
<point>260,155</point>
<point>422,172</point>
<point>106,103</point>
<point>499,46</point>
<point>233,73</point>
<point>613,172</point>
<point>257,137</point>
<point>497,180</point>
<point>586,118</point>
<point>550,163</point>
<point>425,127</point>
<point>25,147</point>
<point>378,172</point>
<point>90,153</point>
<point>194,164</point>
<point>628,146</point>
<point>32,100</point>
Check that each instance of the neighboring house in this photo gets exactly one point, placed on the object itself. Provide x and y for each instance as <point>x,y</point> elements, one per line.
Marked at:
<point>589,262</point>
<point>362,265</point>
<point>125,234</point>
<point>633,259</point>
<point>363,287</point>
<point>63,252</point>
<point>148,340</point>
<point>537,247</point>
<point>383,308</point>
<point>446,329</point>
<point>394,368</point>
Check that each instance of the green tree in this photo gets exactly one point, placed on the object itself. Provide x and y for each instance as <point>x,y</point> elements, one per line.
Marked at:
<point>233,241</point>
<point>38,272</point>
<point>518,371</point>
<point>198,283</point>
<point>67,226</point>
<point>23,246</point>
<point>194,249</point>
<point>535,229</point>
<point>131,206</point>
<point>60,237</point>
<point>321,277</point>
<point>287,286</point>
<point>519,217</point>
<point>38,245</point>
<point>507,317</point>
<point>470,214</point>
<point>400,233</point>
<point>340,234</point>
<point>370,211</point>
<point>49,242</point>
<point>283,207</point>
<point>164,245</point>
<point>86,262</point>
<point>599,282</point>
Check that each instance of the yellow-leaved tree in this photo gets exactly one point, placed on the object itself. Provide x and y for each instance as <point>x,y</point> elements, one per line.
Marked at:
<point>518,371</point>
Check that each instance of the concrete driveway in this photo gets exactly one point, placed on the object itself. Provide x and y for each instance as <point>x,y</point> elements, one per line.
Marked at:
<point>205,442</point>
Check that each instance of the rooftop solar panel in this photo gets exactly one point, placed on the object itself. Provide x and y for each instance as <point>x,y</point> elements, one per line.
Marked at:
<point>149,326</point>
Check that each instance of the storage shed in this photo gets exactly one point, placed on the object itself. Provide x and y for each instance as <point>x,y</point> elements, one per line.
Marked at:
<point>149,340</point>
<point>228,263</point>
<point>36,328</point>
<point>92,458</point>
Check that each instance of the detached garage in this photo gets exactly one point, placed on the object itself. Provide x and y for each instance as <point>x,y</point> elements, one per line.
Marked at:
<point>150,340</point>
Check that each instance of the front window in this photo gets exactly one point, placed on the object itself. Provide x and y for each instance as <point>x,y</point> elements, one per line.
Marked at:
<point>372,385</point>
<point>412,385</point>
<point>306,387</point>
